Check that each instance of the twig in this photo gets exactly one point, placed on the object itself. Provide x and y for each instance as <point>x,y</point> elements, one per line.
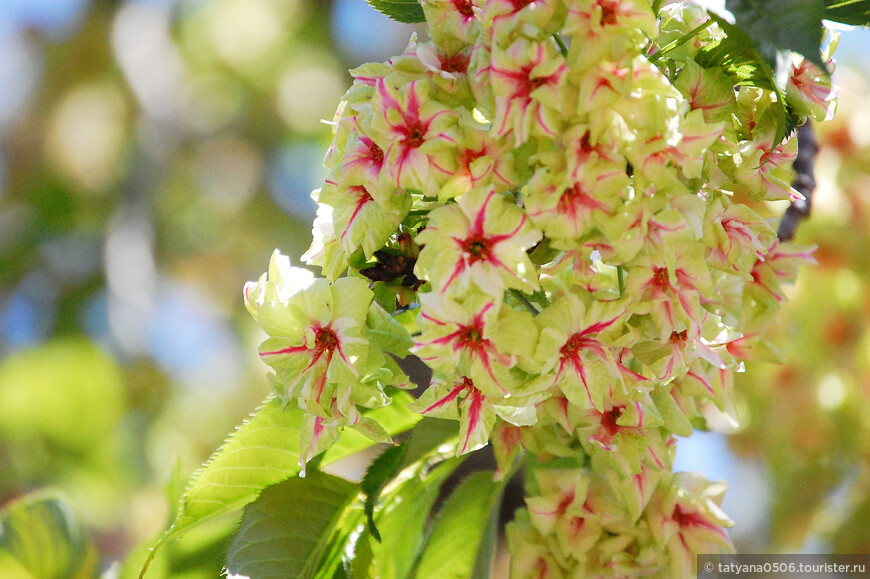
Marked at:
<point>804,182</point>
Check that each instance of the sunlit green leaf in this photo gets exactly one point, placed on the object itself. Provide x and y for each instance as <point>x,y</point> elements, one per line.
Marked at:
<point>40,538</point>
<point>738,56</point>
<point>426,437</point>
<point>459,538</point>
<point>402,519</point>
<point>286,531</point>
<point>777,25</point>
<point>264,451</point>
<point>408,11</point>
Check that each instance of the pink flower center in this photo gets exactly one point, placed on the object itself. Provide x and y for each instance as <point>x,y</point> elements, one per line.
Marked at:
<point>534,83</point>
<point>478,248</point>
<point>520,4</point>
<point>457,63</point>
<point>464,8</point>
<point>678,337</point>
<point>376,154</point>
<point>414,133</point>
<point>325,341</point>
<point>471,336</point>
<point>609,12</point>
<point>660,279</point>
<point>574,198</point>
<point>574,344</point>
<point>608,420</point>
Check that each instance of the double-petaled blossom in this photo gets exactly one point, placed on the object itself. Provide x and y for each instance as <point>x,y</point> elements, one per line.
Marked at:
<point>809,89</point>
<point>624,434</point>
<point>527,80</point>
<point>669,286</point>
<point>561,509</point>
<point>359,221</point>
<point>481,162</point>
<point>458,398</point>
<point>778,266</point>
<point>607,30</point>
<point>572,208</point>
<point>452,20</point>
<point>579,347</point>
<point>448,70</point>
<point>320,349</point>
<point>736,237</point>
<point>765,167</point>
<point>686,519</point>
<point>481,240</point>
<point>708,90</point>
<point>505,20</point>
<point>475,337</point>
<point>415,132</point>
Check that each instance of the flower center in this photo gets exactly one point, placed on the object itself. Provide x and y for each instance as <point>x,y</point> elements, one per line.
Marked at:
<point>608,420</point>
<point>678,337</point>
<point>457,63</point>
<point>660,279</point>
<point>609,12</point>
<point>478,248</point>
<point>325,341</point>
<point>520,4</point>
<point>472,336</point>
<point>464,8</point>
<point>376,154</point>
<point>574,344</point>
<point>414,134</point>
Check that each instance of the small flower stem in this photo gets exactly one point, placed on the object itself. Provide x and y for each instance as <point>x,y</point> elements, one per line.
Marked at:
<point>681,40</point>
<point>620,279</point>
<point>522,299</point>
<point>561,44</point>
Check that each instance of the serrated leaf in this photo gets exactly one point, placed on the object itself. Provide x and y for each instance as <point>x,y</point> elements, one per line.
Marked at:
<point>407,11</point>
<point>403,518</point>
<point>264,451</point>
<point>739,57</point>
<point>40,538</point>
<point>852,12</point>
<point>380,472</point>
<point>286,531</point>
<point>427,436</point>
<point>459,537</point>
<point>777,25</point>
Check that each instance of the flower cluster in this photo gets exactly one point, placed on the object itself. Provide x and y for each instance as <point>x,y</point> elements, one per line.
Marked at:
<point>567,209</point>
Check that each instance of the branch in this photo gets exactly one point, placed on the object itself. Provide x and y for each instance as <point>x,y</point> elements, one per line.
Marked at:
<point>804,182</point>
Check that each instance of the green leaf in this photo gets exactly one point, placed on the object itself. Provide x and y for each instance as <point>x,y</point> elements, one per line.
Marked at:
<point>426,437</point>
<point>852,12</point>
<point>777,25</point>
<point>262,452</point>
<point>402,518</point>
<point>738,56</point>
<point>40,538</point>
<point>380,472</point>
<point>286,531</point>
<point>460,545</point>
<point>408,11</point>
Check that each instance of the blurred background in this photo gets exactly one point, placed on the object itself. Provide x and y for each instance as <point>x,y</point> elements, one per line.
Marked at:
<point>153,153</point>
